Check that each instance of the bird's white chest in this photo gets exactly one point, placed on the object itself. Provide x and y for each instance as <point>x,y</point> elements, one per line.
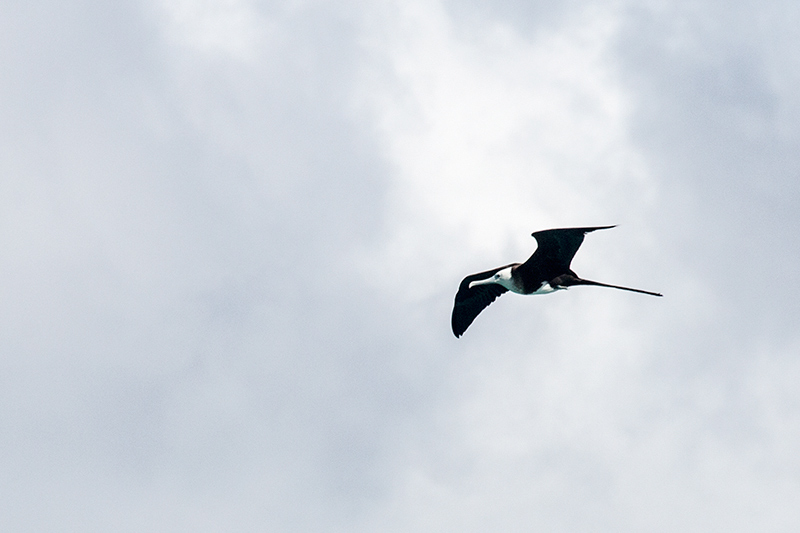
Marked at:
<point>545,288</point>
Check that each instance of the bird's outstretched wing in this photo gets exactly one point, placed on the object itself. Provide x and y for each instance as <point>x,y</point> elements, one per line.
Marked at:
<point>471,301</point>
<point>556,248</point>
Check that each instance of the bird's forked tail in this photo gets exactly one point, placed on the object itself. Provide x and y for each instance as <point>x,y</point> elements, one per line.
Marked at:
<point>567,281</point>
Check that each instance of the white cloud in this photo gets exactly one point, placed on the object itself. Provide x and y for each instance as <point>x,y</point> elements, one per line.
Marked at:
<point>190,341</point>
<point>492,134</point>
<point>230,27</point>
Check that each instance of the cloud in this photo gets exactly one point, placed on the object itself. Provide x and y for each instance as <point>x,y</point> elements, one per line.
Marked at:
<point>490,132</point>
<point>232,232</point>
<point>225,26</point>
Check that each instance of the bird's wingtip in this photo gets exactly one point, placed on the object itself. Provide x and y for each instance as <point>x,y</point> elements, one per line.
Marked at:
<point>586,229</point>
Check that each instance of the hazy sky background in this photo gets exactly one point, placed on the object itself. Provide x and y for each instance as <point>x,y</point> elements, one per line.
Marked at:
<point>231,232</point>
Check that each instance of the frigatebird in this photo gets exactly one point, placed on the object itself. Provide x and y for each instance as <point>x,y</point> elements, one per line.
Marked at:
<point>546,271</point>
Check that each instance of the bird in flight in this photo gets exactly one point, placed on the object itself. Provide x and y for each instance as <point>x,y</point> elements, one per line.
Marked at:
<point>546,271</point>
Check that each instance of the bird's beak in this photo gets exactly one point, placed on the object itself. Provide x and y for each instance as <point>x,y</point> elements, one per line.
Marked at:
<point>486,281</point>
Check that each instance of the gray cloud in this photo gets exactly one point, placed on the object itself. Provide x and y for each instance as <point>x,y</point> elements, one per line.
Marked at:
<point>192,200</point>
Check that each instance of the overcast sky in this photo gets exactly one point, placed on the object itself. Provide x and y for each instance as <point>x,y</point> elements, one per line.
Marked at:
<point>231,232</point>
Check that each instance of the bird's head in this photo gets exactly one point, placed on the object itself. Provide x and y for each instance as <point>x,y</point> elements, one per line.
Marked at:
<point>501,277</point>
